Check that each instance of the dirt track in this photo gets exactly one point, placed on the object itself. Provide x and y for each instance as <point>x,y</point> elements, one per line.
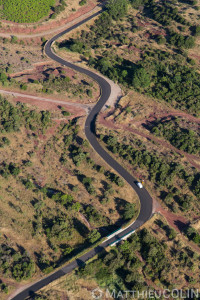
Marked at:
<point>75,109</point>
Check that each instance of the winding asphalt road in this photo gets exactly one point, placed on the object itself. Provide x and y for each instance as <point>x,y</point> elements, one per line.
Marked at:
<point>145,198</point>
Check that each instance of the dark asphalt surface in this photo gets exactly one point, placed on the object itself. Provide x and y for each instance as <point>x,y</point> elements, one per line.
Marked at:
<point>145,198</point>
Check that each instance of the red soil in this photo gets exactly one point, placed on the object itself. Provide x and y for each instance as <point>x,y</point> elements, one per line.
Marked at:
<point>40,70</point>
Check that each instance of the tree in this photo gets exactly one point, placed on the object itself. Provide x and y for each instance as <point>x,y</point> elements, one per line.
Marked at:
<point>111,141</point>
<point>93,236</point>
<point>67,250</point>
<point>133,277</point>
<point>137,3</point>
<point>161,39</point>
<point>117,8</point>
<point>104,65</point>
<point>189,42</point>
<point>3,77</point>
<point>196,30</point>
<point>76,206</point>
<point>14,39</point>
<point>141,78</point>
<point>129,211</point>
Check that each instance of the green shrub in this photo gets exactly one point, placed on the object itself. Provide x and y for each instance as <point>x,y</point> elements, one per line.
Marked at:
<point>82,2</point>
<point>141,78</point>
<point>66,113</point>
<point>94,236</point>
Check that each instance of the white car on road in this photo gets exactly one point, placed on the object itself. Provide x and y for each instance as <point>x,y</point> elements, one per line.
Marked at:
<point>139,185</point>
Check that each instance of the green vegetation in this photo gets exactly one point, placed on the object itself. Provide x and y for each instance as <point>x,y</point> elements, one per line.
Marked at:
<point>164,172</point>
<point>7,170</point>
<point>143,262</point>
<point>3,287</point>
<point>67,193</point>
<point>3,78</point>
<point>141,78</point>
<point>129,211</point>
<point>149,260</point>
<point>193,235</point>
<point>50,83</point>
<point>77,196</point>
<point>196,30</point>
<point>180,40</point>
<point>13,263</point>
<point>156,76</point>
<point>59,228</point>
<point>173,83</point>
<point>12,117</point>
<point>25,11</point>
<point>58,9</point>
<point>164,12</point>
<point>117,8</point>
<point>137,3</point>
<point>94,236</point>
<point>161,74</point>
<point>180,137</point>
<point>82,2</point>
<point>62,84</point>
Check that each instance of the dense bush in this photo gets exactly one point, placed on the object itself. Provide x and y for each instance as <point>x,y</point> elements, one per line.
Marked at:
<point>160,171</point>
<point>180,40</point>
<point>94,236</point>
<point>114,178</point>
<point>141,78</point>
<point>181,138</point>
<point>64,199</point>
<point>158,73</point>
<point>94,216</point>
<point>13,117</point>
<point>161,11</point>
<point>129,211</point>
<point>3,78</point>
<point>175,83</point>
<point>18,265</point>
<point>137,3</point>
<point>58,9</point>
<point>122,264</point>
<point>59,228</point>
<point>26,11</point>
<point>117,8</point>
<point>164,12</point>
<point>77,153</point>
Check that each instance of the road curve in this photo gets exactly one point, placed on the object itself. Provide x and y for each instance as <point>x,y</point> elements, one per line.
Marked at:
<point>145,198</point>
